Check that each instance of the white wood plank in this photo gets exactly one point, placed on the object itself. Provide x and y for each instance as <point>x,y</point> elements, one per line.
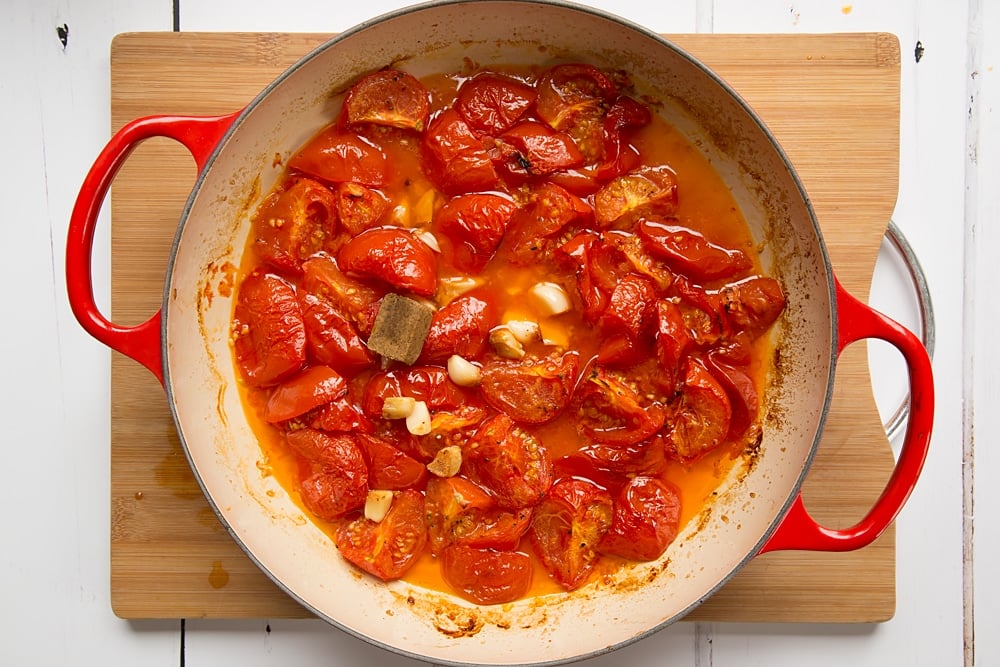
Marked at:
<point>927,628</point>
<point>983,358</point>
<point>54,566</point>
<point>323,16</point>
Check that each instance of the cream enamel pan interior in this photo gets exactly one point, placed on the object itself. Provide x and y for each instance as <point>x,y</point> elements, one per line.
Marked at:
<point>202,385</point>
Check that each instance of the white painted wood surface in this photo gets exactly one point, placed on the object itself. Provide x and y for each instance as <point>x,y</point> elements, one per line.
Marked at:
<point>54,396</point>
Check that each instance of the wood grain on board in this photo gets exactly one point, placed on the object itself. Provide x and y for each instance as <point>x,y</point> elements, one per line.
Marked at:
<point>831,100</point>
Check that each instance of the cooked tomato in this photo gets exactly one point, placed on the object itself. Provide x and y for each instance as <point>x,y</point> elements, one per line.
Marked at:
<point>625,114</point>
<point>331,337</point>
<point>631,307</point>
<point>491,103</point>
<point>621,350</point>
<point>643,457</point>
<point>611,411</point>
<point>460,511</point>
<point>388,467</point>
<point>485,576</point>
<point>461,327</point>
<point>390,547</point>
<point>269,337</point>
<point>575,254</point>
<point>753,304</point>
<point>568,525</point>
<point>338,156</point>
<point>508,461</point>
<point>301,393</point>
<point>646,518</point>
<point>673,339</point>
<point>574,98</point>
<point>740,389</point>
<point>430,384</point>
<point>334,479</point>
<point>392,255</point>
<point>531,390</point>
<point>702,422</point>
<point>690,253</point>
<point>341,415</point>
<point>292,225</point>
<point>388,97</point>
<point>358,207</point>
<point>531,148</point>
<point>475,224</point>
<point>356,300</point>
<point>455,158</point>
<point>645,191</point>
<point>548,211</point>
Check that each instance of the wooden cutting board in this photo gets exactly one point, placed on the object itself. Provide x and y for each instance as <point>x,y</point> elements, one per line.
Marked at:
<point>832,101</point>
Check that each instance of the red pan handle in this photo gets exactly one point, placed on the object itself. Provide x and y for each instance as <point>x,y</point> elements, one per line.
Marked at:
<point>199,135</point>
<point>798,530</point>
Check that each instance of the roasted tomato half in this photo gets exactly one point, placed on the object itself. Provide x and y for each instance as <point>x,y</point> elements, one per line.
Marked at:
<point>387,549</point>
<point>486,576</point>
<point>567,528</point>
<point>509,461</point>
<point>269,337</point>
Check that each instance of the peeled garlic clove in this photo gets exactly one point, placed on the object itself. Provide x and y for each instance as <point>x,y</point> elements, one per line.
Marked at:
<point>550,298</point>
<point>398,407</point>
<point>419,421</point>
<point>506,344</point>
<point>463,372</point>
<point>377,504</point>
<point>447,462</point>
<point>525,331</point>
<point>429,240</point>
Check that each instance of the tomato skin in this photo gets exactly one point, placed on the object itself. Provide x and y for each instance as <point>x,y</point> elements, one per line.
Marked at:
<point>643,457</point>
<point>388,97</point>
<point>392,255</point>
<point>388,466</point>
<point>703,420</point>
<point>690,253</point>
<point>461,327</point>
<point>342,415</point>
<point>643,192</point>
<point>576,254</point>
<point>630,308</point>
<point>753,304</point>
<point>673,340</point>
<point>568,525</point>
<point>508,461</point>
<point>550,209</point>
<point>352,298</point>
<point>334,479</point>
<point>301,393</point>
<point>294,224</point>
<point>741,390</point>
<point>273,344</point>
<point>491,103</point>
<point>389,548</point>
<point>476,224</point>
<point>338,156</point>
<point>358,207</point>
<point>574,98</point>
<point>530,390</point>
<point>531,148</point>
<point>611,412</point>
<point>455,159</point>
<point>331,338</point>
<point>430,384</point>
<point>485,576</point>
<point>460,511</point>
<point>624,115</point>
<point>646,519</point>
